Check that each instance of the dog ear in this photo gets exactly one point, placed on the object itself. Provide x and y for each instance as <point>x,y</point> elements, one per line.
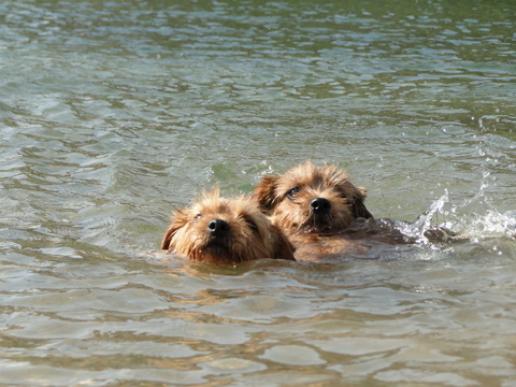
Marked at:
<point>283,249</point>
<point>358,207</point>
<point>179,220</point>
<point>264,193</point>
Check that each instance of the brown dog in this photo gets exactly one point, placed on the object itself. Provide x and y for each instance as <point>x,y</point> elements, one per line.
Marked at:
<point>221,230</point>
<point>314,206</point>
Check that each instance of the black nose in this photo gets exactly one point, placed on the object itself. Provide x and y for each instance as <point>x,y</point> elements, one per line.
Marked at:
<point>218,227</point>
<point>320,205</point>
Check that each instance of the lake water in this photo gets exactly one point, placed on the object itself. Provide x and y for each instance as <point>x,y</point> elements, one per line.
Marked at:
<point>113,113</point>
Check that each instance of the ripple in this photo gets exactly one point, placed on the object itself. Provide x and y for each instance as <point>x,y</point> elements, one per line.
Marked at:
<point>113,114</point>
<point>355,346</point>
<point>295,355</point>
<point>232,365</point>
<point>417,376</point>
<point>261,308</point>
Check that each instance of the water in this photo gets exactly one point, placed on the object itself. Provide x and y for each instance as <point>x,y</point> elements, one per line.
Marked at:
<point>113,113</point>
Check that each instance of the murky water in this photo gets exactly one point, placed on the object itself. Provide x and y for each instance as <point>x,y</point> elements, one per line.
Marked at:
<point>112,113</point>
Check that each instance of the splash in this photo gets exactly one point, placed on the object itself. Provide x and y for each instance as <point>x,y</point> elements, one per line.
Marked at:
<point>492,224</point>
<point>443,216</point>
<point>419,229</point>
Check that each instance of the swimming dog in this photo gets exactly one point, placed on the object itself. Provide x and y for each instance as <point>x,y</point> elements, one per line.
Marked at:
<point>319,209</point>
<point>221,230</point>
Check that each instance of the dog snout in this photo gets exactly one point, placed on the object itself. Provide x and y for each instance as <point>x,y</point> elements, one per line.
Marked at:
<point>218,227</point>
<point>320,205</point>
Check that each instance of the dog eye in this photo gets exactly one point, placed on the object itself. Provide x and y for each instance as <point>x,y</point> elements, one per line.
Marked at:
<point>292,192</point>
<point>198,216</point>
<point>250,223</point>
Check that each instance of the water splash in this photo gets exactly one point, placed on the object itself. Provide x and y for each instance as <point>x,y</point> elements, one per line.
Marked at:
<point>418,229</point>
<point>475,227</point>
<point>480,196</point>
<point>492,224</point>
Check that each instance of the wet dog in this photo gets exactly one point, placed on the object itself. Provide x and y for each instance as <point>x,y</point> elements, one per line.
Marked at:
<point>316,206</point>
<point>220,230</point>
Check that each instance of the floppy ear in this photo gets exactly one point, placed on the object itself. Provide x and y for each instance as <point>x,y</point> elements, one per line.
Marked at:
<point>179,220</point>
<point>358,207</point>
<point>283,249</point>
<point>264,192</point>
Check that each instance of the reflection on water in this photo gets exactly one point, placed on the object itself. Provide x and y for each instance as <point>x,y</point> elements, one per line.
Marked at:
<point>113,113</point>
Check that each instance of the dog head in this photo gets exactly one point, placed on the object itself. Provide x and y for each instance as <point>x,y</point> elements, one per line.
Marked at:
<point>217,229</point>
<point>310,198</point>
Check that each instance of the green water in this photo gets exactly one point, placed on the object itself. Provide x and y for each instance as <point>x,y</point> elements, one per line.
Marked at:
<point>113,113</point>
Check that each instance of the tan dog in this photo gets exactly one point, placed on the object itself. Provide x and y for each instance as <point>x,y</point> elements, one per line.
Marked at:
<point>314,206</point>
<point>221,230</point>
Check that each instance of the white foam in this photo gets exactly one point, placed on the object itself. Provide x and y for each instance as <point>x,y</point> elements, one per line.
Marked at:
<point>474,226</point>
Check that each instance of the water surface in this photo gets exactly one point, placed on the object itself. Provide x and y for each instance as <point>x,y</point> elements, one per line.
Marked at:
<point>113,113</point>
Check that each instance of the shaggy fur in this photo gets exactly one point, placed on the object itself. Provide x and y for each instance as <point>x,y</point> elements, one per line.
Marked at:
<point>217,229</point>
<point>313,205</point>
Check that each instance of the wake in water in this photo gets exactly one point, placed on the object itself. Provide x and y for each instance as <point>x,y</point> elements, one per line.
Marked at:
<point>442,224</point>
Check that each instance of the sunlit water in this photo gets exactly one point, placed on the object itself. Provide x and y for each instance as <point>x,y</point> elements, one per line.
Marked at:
<point>113,113</point>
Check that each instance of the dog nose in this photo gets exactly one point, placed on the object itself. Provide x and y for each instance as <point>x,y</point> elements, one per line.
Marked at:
<point>218,226</point>
<point>320,205</point>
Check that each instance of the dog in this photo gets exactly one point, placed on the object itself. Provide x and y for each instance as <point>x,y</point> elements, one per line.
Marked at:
<point>221,230</point>
<point>317,207</point>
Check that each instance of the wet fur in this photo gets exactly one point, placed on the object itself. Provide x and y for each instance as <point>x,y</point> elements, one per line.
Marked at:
<point>250,235</point>
<point>287,200</point>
